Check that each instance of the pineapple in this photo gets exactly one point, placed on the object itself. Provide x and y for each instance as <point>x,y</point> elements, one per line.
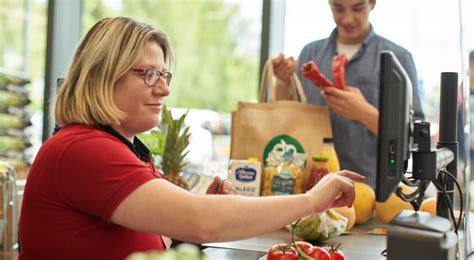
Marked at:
<point>177,139</point>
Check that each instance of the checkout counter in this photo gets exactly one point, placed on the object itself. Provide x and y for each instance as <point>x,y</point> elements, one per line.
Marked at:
<point>357,245</point>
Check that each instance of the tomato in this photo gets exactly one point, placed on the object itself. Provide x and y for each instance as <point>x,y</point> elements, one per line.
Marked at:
<point>282,252</point>
<point>335,253</point>
<point>319,253</point>
<point>305,246</point>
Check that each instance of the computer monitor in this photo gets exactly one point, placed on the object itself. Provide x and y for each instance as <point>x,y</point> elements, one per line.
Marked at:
<point>395,105</point>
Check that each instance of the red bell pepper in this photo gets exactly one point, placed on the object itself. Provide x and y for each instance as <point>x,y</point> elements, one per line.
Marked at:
<point>310,71</point>
<point>338,71</point>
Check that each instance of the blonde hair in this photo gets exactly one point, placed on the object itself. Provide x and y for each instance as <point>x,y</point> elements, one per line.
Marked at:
<point>107,52</point>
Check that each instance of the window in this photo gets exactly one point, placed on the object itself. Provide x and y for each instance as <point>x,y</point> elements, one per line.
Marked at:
<point>23,50</point>
<point>217,49</point>
<point>217,46</point>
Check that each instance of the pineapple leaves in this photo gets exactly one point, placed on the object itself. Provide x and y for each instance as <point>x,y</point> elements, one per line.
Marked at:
<point>177,140</point>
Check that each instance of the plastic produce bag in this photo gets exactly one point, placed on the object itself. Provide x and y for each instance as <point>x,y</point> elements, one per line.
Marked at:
<point>320,227</point>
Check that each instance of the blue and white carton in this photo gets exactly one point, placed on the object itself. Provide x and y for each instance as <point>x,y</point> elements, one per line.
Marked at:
<point>245,176</point>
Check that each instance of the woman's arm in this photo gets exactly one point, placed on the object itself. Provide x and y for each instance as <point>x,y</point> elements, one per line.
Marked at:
<point>162,208</point>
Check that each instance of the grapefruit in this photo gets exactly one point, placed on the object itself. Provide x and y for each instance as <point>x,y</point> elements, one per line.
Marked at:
<point>386,211</point>
<point>363,202</point>
<point>429,205</point>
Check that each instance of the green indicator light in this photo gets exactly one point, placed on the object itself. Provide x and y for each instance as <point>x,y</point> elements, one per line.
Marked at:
<point>392,161</point>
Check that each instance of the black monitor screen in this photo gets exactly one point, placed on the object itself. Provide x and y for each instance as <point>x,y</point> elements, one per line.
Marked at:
<point>394,125</point>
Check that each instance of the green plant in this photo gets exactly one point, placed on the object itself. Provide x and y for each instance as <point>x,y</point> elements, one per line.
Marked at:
<point>177,140</point>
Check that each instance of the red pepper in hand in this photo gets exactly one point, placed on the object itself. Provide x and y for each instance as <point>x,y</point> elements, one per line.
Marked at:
<point>310,71</point>
<point>338,71</point>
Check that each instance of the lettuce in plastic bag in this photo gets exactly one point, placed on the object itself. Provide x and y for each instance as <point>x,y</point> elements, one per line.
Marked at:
<point>320,227</point>
<point>181,252</point>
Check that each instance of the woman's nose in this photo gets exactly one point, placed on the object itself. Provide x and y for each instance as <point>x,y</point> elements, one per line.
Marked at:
<point>161,88</point>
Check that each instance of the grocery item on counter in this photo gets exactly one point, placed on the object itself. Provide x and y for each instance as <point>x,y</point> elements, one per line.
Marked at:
<point>320,226</point>
<point>297,250</point>
<point>386,211</point>
<point>318,171</point>
<point>335,252</point>
<point>429,205</point>
<point>182,251</point>
<point>349,213</point>
<point>282,251</point>
<point>246,176</point>
<point>283,173</point>
<point>330,152</point>
<point>364,202</point>
<point>383,231</point>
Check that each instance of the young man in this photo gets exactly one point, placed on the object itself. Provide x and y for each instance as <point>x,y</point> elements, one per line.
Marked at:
<point>354,111</point>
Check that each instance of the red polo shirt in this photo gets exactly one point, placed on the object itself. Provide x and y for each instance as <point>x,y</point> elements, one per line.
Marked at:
<point>76,182</point>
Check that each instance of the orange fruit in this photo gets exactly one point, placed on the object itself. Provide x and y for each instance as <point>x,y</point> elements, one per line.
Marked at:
<point>386,211</point>
<point>363,202</point>
<point>429,205</point>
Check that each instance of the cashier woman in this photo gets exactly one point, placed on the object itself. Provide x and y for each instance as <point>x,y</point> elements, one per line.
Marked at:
<point>93,192</point>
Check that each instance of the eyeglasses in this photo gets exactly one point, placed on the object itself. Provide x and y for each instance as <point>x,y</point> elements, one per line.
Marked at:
<point>152,76</point>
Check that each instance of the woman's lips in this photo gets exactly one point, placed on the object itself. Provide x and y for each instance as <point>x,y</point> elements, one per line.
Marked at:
<point>156,107</point>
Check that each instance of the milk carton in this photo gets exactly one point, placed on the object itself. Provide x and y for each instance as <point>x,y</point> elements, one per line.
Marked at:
<point>245,176</point>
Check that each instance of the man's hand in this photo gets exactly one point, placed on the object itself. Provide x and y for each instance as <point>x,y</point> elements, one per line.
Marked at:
<point>352,105</point>
<point>219,186</point>
<point>283,68</point>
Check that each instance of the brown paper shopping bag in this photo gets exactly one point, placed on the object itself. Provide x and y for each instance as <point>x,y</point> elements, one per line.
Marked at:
<point>259,129</point>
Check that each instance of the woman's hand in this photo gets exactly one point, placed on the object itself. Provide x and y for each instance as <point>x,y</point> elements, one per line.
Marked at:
<point>283,68</point>
<point>335,190</point>
<point>352,105</point>
<point>219,186</point>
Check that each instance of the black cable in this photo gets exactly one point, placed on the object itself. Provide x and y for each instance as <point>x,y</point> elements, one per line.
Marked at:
<point>447,202</point>
<point>451,211</point>
<point>460,196</point>
<point>415,196</point>
<point>410,182</point>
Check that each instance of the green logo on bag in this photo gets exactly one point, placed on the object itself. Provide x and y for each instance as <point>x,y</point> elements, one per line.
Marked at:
<point>279,146</point>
